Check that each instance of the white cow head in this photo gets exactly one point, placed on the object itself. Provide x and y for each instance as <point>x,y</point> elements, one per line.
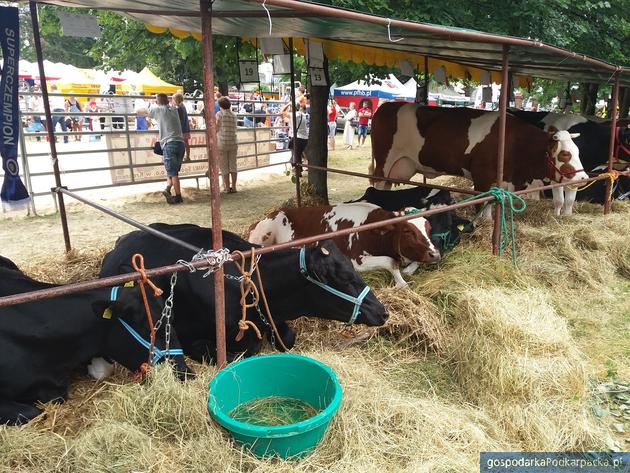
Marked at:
<point>566,156</point>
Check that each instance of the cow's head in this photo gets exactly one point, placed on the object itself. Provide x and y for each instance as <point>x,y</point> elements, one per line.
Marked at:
<point>566,156</point>
<point>326,264</point>
<point>127,329</point>
<point>411,240</point>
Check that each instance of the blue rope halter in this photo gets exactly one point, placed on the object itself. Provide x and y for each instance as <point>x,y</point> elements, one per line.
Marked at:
<point>157,353</point>
<point>357,301</point>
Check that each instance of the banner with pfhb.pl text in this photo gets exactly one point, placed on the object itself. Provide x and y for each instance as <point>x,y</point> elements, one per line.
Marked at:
<point>13,194</point>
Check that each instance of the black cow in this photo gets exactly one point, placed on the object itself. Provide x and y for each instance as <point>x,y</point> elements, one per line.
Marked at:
<point>289,293</point>
<point>44,342</point>
<point>7,263</point>
<point>446,228</point>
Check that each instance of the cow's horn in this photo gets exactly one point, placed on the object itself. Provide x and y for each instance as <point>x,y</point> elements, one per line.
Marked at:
<point>325,251</point>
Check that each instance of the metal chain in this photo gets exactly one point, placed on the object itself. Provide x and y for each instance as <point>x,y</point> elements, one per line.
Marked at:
<point>266,322</point>
<point>240,278</point>
<point>167,313</point>
<point>215,260</point>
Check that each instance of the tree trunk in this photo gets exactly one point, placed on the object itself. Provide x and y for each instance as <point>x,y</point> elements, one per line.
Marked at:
<point>223,88</point>
<point>625,102</point>
<point>317,149</point>
<point>589,98</point>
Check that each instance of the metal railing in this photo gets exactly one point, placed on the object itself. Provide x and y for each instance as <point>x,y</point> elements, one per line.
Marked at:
<point>109,133</point>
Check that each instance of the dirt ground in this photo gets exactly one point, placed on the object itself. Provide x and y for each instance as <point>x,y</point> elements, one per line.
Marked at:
<point>42,235</point>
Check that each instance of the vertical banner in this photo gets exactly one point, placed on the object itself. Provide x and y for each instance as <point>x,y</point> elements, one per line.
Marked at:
<point>14,195</point>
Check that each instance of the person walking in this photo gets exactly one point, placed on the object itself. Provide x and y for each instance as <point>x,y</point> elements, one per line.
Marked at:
<point>172,143</point>
<point>183,118</point>
<point>227,144</point>
<point>348,127</point>
<point>300,140</point>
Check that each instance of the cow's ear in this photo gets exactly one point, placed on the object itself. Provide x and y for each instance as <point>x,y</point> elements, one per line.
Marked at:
<point>106,309</point>
<point>574,135</point>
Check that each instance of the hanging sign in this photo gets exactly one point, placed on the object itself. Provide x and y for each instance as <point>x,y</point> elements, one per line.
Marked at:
<point>315,55</point>
<point>249,71</point>
<point>80,26</point>
<point>317,76</point>
<point>486,94</point>
<point>270,46</point>
<point>406,68</point>
<point>14,195</point>
<point>485,78</point>
<point>282,64</point>
<point>439,74</point>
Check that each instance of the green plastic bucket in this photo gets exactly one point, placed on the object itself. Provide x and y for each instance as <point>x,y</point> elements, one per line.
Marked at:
<point>285,375</point>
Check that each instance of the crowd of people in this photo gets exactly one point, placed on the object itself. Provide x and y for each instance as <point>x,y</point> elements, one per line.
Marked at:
<point>175,117</point>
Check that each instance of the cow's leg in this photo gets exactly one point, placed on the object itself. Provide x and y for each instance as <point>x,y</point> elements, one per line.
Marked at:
<point>558,199</point>
<point>411,268</point>
<point>569,200</point>
<point>369,263</point>
<point>15,413</point>
<point>287,334</point>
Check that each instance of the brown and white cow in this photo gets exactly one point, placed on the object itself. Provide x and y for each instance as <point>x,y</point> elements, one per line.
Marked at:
<point>387,247</point>
<point>409,139</point>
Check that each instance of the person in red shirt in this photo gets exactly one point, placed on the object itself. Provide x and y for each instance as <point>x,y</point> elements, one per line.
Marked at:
<point>332,123</point>
<point>365,113</point>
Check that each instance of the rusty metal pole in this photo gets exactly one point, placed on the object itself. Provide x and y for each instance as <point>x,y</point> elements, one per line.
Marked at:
<point>49,126</point>
<point>213,168</point>
<point>505,93</point>
<point>611,149</point>
<point>294,159</point>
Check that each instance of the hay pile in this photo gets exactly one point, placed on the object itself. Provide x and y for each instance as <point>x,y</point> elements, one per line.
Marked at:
<point>477,355</point>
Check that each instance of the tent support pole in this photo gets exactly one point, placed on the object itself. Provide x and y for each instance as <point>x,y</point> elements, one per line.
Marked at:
<point>297,169</point>
<point>213,168</point>
<point>611,149</point>
<point>426,81</point>
<point>49,124</point>
<point>505,93</point>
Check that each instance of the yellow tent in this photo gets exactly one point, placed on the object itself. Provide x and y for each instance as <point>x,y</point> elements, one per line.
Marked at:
<point>79,81</point>
<point>149,83</point>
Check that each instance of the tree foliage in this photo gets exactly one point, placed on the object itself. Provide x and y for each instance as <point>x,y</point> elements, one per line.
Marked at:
<point>600,28</point>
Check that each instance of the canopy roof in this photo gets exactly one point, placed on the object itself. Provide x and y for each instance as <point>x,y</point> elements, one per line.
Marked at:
<point>346,30</point>
<point>147,82</point>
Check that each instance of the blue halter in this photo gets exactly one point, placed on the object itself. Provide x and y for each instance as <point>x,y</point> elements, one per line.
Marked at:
<point>357,301</point>
<point>157,353</point>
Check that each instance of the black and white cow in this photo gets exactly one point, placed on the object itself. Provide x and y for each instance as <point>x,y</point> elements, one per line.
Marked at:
<point>289,288</point>
<point>446,228</point>
<point>45,341</point>
<point>594,144</point>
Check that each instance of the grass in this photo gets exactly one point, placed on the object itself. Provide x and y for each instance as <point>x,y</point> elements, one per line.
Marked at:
<point>478,355</point>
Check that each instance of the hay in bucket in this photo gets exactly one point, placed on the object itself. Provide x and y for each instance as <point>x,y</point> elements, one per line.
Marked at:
<point>273,410</point>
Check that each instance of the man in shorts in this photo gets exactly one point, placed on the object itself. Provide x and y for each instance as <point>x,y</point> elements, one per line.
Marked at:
<point>365,113</point>
<point>172,142</point>
<point>226,144</point>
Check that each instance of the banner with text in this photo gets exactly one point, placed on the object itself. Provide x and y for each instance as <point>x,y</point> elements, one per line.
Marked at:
<point>14,195</point>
